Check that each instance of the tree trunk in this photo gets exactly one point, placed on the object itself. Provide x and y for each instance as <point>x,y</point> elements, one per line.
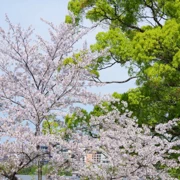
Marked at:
<point>12,177</point>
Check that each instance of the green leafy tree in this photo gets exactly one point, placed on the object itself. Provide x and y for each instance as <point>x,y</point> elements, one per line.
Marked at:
<point>144,36</point>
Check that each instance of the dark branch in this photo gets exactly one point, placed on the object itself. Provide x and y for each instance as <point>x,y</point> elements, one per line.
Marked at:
<point>154,13</point>
<point>110,65</point>
<point>97,80</point>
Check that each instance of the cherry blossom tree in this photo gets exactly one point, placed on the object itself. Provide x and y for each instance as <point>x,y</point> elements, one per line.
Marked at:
<point>31,85</point>
<point>37,79</point>
<point>132,152</point>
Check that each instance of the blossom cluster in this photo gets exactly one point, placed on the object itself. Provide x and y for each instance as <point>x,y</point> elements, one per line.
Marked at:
<point>133,152</point>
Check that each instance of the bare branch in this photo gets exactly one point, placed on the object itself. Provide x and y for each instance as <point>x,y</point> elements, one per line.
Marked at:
<point>97,80</point>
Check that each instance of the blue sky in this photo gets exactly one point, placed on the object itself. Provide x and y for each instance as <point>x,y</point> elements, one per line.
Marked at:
<point>29,12</point>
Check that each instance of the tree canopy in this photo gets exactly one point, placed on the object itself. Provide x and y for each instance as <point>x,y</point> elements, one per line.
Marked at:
<point>143,36</point>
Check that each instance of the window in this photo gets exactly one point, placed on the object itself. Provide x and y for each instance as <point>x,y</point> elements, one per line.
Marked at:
<point>105,161</point>
<point>96,157</point>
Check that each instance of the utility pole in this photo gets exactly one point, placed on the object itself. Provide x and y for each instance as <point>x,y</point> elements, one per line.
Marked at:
<point>43,158</point>
<point>39,169</point>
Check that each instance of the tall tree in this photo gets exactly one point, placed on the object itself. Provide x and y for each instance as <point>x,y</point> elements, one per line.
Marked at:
<point>37,80</point>
<point>140,37</point>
